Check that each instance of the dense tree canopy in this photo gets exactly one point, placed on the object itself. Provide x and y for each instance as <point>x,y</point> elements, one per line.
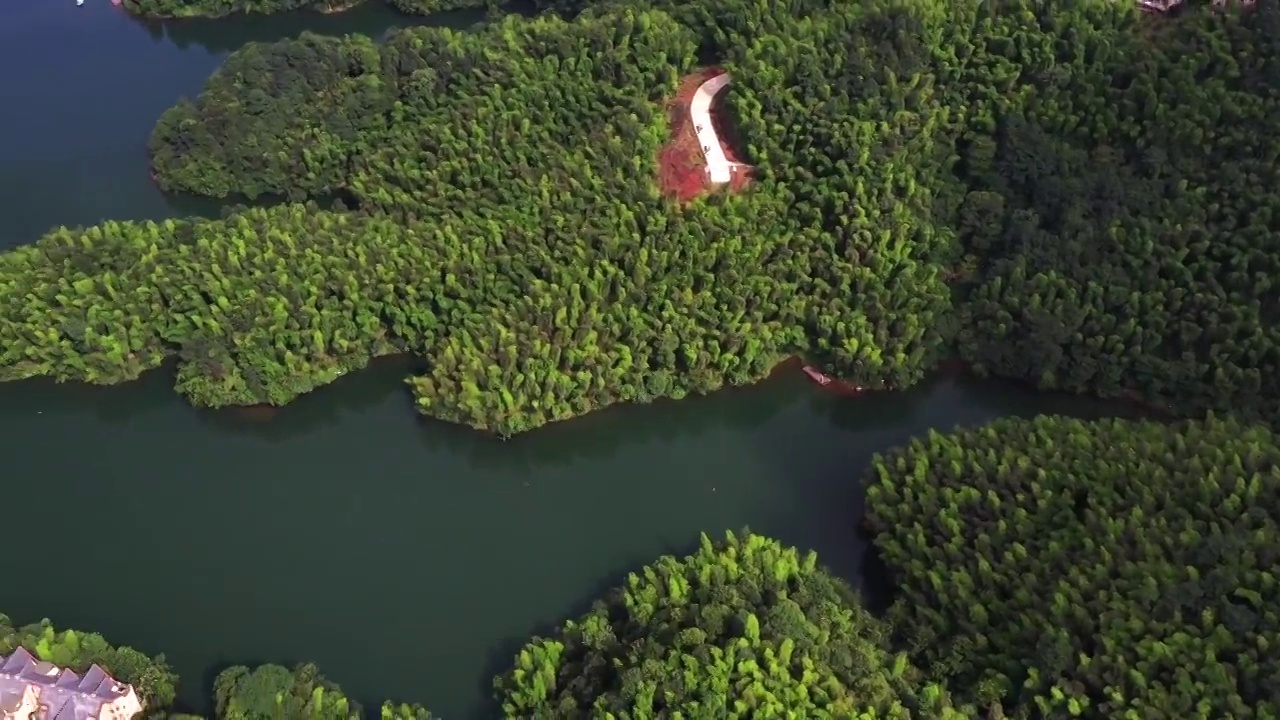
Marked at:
<point>744,628</point>
<point>1100,569</point>
<point>1077,194</point>
<point>321,96</point>
<point>509,231</point>
<point>268,692</point>
<point>1127,209</point>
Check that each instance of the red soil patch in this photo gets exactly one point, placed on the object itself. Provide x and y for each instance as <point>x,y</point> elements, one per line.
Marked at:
<point>682,169</point>
<point>795,365</point>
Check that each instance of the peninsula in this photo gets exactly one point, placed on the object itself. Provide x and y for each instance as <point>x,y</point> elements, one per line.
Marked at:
<point>520,244</point>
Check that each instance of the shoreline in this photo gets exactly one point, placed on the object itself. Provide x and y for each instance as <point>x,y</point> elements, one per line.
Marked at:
<point>951,368</point>
<point>323,8</point>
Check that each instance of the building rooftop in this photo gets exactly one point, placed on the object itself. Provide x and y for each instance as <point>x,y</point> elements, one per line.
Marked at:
<point>68,695</point>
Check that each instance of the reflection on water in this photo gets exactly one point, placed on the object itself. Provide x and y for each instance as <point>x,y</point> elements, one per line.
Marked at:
<point>942,401</point>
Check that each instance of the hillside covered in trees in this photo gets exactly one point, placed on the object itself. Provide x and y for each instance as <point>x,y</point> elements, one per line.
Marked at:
<point>743,628</point>
<point>1079,197</point>
<point>1125,213</point>
<point>1107,569</point>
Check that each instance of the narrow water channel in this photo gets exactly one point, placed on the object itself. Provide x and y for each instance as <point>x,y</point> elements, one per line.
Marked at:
<point>408,559</point>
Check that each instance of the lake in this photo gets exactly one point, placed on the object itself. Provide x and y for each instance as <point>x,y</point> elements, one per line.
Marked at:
<point>409,559</point>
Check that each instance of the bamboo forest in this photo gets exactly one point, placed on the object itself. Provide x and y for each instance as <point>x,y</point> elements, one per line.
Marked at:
<point>1079,197</point>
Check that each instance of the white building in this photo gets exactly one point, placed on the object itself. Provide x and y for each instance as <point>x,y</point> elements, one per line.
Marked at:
<point>31,689</point>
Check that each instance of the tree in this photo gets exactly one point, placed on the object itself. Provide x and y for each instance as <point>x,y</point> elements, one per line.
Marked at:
<point>1101,569</point>
<point>742,628</point>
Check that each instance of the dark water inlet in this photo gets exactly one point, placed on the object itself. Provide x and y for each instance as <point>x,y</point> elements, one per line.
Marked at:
<point>408,559</point>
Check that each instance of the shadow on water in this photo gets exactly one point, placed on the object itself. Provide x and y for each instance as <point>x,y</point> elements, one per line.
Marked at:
<point>382,383</point>
<point>110,403</point>
<point>325,407</point>
<point>1017,398</point>
<point>893,417</point>
<point>873,411</point>
<point>596,436</point>
<point>181,205</point>
<point>876,584</point>
<point>362,390</point>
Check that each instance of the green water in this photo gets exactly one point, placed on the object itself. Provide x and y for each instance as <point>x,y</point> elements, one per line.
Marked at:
<point>409,559</point>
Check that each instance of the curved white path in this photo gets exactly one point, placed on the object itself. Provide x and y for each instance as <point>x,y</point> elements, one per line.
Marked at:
<point>719,168</point>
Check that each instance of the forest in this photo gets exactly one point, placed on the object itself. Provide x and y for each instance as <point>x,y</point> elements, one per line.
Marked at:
<point>742,628</point>
<point>1072,195</point>
<point>1042,568</point>
<point>1105,569</point>
<point>1076,197</point>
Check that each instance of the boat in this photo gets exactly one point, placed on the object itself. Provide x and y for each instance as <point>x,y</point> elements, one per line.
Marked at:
<point>79,3</point>
<point>817,376</point>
